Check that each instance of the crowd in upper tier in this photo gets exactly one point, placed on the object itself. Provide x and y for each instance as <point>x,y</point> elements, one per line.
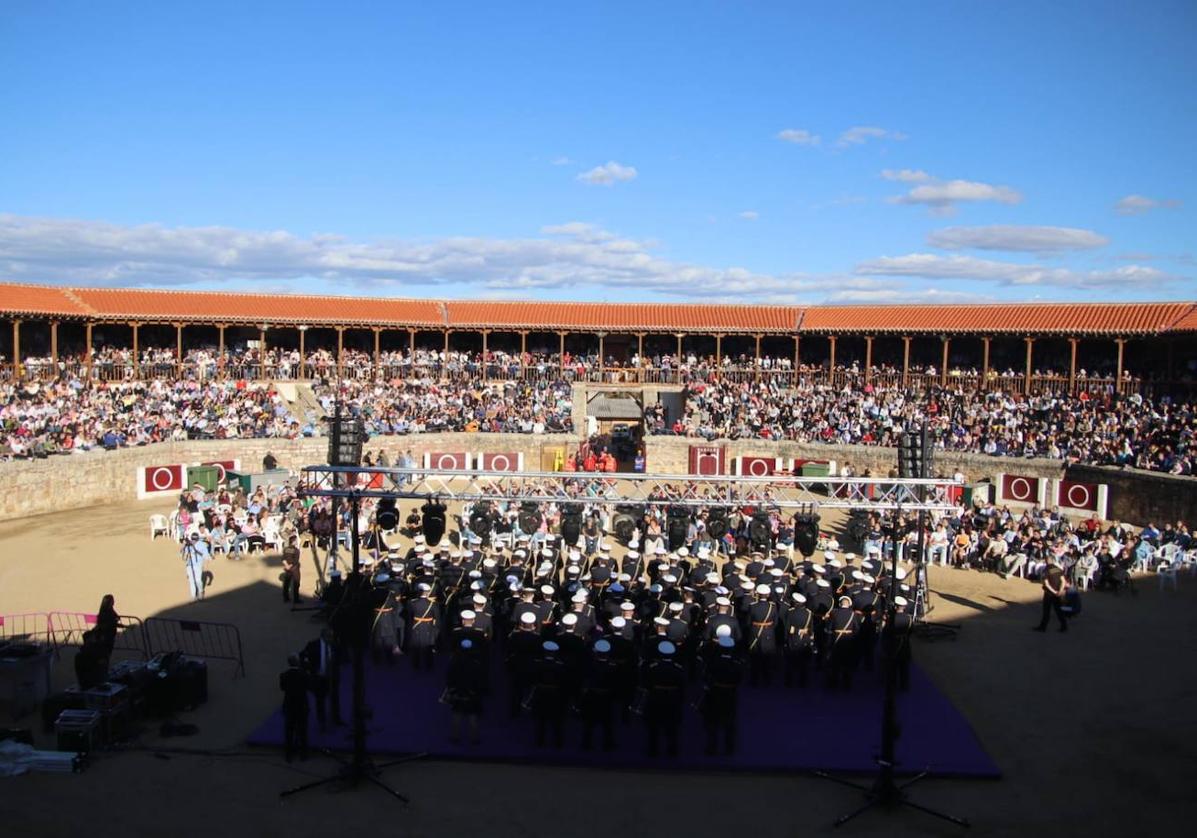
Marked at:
<point>458,391</point>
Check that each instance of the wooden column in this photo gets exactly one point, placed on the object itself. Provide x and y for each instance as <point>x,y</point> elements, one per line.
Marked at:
<point>758,350</point>
<point>303,358</point>
<point>220,356</point>
<point>54,346</point>
<point>262,351</point>
<point>485,366</point>
<point>340,352</point>
<point>797,355</point>
<point>985,363</point>
<point>679,349</point>
<point>179,349</point>
<point>640,355</point>
<point>602,356</point>
<point>1026,385</point>
<point>561,353</point>
<point>1118,378</point>
<point>87,351</point>
<point>718,351</point>
<point>523,352</point>
<point>1171,360</point>
<point>16,348</point>
<point>831,361</point>
<point>377,351</point>
<point>1072,367</point>
<point>868,358</point>
<point>136,351</point>
<point>905,360</point>
<point>943,369</point>
<point>447,333</point>
<point>411,345</point>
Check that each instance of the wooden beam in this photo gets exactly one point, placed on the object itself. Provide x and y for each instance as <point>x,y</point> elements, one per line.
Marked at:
<point>905,360</point>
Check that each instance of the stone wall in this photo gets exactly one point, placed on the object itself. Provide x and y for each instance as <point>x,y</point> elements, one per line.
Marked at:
<point>98,477</point>
<point>670,455</point>
<point>1140,497</point>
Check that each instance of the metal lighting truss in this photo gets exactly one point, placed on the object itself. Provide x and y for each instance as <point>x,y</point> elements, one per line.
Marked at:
<point>801,494</point>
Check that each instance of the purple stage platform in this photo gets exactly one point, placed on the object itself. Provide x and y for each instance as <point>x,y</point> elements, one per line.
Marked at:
<point>781,730</point>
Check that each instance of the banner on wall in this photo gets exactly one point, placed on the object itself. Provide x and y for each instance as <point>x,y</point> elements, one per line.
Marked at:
<point>445,461</point>
<point>707,460</point>
<point>1082,497</point>
<point>499,461</point>
<point>153,481</point>
<point>1017,488</point>
<point>757,466</point>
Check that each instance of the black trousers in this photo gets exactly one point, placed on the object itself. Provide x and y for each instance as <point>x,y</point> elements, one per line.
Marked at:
<point>598,710</point>
<point>290,588</point>
<point>1051,602</point>
<point>295,733</point>
<point>664,718</point>
<point>421,657</point>
<point>798,664</point>
<point>327,692</point>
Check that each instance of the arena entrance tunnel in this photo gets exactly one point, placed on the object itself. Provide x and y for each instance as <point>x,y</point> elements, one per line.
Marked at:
<point>615,422</point>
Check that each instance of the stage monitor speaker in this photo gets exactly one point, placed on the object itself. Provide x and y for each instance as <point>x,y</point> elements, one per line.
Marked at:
<point>760,531</point>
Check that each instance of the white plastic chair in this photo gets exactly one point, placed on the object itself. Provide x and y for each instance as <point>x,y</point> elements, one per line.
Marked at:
<point>272,536</point>
<point>1145,562</point>
<point>1188,561</point>
<point>1085,573</point>
<point>1167,573</point>
<point>159,525</point>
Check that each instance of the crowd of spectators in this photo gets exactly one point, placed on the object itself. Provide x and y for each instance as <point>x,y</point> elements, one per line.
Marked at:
<point>429,391</point>
<point>1133,431</point>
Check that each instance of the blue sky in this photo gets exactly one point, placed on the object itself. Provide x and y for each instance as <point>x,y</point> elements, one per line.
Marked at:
<point>692,151</point>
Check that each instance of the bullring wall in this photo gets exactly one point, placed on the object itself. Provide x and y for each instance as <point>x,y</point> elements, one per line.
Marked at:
<point>1143,497</point>
<point>101,477</point>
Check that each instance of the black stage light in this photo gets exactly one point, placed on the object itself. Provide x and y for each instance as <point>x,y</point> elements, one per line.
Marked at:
<point>529,516</point>
<point>717,522</point>
<point>481,519</point>
<point>760,531</point>
<point>625,521</point>
<point>678,524</point>
<point>433,522</point>
<point>387,516</point>
<point>571,524</point>
<point>806,533</point>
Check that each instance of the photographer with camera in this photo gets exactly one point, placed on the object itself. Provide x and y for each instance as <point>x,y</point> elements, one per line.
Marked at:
<point>195,553</point>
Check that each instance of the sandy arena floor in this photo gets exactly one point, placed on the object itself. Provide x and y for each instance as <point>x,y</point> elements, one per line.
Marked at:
<point>1094,730</point>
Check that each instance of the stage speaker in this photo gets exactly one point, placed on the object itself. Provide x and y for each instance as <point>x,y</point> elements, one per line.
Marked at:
<point>345,439</point>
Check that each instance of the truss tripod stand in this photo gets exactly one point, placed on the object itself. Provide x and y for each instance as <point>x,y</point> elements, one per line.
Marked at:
<point>885,793</point>
<point>353,772</point>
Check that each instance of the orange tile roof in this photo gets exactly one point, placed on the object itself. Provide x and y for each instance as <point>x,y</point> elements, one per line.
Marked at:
<point>112,303</point>
<point>39,299</point>
<point>1187,322</point>
<point>240,308</point>
<point>1007,318</point>
<point>624,317</point>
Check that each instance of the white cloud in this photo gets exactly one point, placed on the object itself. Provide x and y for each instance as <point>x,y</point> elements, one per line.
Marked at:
<point>1028,239</point>
<point>1139,204</point>
<point>861,134</point>
<point>750,215</point>
<point>561,160</point>
<point>799,136</point>
<point>901,295</point>
<point>906,175</point>
<point>574,255</point>
<point>933,266</point>
<point>942,196</point>
<point>608,174</point>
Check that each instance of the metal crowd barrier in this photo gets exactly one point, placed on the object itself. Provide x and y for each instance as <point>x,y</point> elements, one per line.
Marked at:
<point>67,628</point>
<point>195,638</point>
